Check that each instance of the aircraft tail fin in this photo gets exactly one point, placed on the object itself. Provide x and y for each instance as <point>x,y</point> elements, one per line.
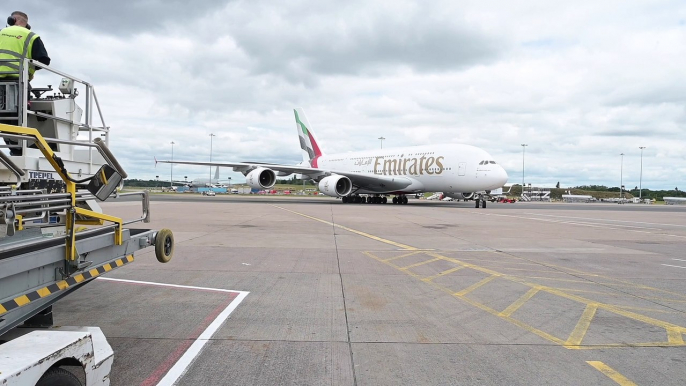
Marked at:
<point>308,142</point>
<point>216,174</point>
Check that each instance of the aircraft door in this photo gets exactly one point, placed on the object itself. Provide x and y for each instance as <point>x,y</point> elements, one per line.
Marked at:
<point>461,168</point>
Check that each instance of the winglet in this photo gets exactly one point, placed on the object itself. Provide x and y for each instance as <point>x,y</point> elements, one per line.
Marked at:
<point>155,161</point>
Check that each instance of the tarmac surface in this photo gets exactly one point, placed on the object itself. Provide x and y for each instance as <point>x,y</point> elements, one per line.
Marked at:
<point>311,291</point>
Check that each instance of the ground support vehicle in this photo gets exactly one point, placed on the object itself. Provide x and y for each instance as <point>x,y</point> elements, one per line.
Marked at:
<point>54,236</point>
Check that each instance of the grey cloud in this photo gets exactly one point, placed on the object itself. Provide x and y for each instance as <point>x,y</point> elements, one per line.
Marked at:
<point>121,17</point>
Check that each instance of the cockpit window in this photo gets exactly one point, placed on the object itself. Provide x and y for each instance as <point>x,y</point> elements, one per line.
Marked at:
<point>481,163</point>
<point>491,162</point>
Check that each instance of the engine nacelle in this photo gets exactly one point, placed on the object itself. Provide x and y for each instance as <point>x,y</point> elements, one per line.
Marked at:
<point>460,196</point>
<point>336,186</point>
<point>261,178</point>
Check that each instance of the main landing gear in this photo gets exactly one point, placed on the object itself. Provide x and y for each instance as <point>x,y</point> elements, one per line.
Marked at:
<point>357,199</point>
<point>401,200</point>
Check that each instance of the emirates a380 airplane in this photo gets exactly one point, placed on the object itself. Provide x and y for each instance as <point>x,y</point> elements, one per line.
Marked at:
<point>459,171</point>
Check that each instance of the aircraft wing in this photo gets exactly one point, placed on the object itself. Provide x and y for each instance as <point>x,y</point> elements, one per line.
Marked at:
<point>375,183</point>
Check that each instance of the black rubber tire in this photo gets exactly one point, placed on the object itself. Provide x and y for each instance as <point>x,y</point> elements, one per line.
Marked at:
<point>395,200</point>
<point>476,203</point>
<point>384,200</point>
<point>484,204</point>
<point>164,245</point>
<point>58,376</point>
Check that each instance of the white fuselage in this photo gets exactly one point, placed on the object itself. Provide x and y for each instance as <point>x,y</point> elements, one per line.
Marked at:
<point>432,168</point>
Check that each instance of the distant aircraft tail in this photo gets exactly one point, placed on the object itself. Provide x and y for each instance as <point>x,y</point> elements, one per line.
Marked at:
<point>308,142</point>
<point>216,174</point>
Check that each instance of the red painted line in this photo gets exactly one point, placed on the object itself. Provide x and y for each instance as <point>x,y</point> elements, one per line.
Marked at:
<point>167,364</point>
<point>174,356</point>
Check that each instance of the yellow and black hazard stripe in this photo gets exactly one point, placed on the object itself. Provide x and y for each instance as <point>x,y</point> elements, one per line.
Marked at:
<point>61,285</point>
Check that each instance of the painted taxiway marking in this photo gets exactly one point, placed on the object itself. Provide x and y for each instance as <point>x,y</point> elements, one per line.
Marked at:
<point>674,333</point>
<point>675,266</point>
<point>399,245</point>
<point>611,373</point>
<point>181,365</point>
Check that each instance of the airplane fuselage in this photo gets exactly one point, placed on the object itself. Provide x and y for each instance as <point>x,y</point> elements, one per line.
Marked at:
<point>444,168</point>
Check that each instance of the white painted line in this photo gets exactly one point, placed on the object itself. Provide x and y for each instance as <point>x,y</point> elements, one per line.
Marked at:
<point>675,266</point>
<point>180,367</point>
<point>170,285</point>
<point>189,356</point>
<point>679,259</point>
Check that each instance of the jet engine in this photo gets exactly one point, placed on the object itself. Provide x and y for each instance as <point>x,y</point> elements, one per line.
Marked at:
<point>261,178</point>
<point>460,196</point>
<point>336,186</point>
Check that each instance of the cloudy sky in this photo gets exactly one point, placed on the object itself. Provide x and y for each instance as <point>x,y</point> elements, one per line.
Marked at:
<point>579,82</point>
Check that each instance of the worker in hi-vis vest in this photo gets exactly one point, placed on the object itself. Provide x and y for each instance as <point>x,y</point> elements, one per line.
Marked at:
<point>18,42</point>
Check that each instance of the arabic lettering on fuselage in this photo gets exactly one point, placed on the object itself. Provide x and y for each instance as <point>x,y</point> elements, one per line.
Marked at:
<point>409,166</point>
<point>363,162</point>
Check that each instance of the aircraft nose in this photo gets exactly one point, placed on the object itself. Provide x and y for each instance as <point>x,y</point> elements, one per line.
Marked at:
<point>501,176</point>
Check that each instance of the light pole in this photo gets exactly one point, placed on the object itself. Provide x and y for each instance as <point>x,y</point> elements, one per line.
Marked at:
<point>171,166</point>
<point>229,183</point>
<point>621,178</point>
<point>524,145</point>
<point>211,136</point>
<point>640,179</point>
<point>381,138</point>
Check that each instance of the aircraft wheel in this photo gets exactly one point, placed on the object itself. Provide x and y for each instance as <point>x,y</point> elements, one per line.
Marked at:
<point>384,200</point>
<point>344,199</point>
<point>404,198</point>
<point>483,204</point>
<point>164,245</point>
<point>369,200</point>
<point>395,200</point>
<point>476,203</point>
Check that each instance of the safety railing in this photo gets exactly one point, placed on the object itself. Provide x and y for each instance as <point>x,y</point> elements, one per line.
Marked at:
<point>14,101</point>
<point>14,204</point>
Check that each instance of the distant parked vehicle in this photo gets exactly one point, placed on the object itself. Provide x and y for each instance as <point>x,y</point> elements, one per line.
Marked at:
<point>209,193</point>
<point>234,191</point>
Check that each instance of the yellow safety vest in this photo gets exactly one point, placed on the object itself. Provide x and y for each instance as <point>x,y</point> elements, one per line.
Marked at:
<point>15,43</point>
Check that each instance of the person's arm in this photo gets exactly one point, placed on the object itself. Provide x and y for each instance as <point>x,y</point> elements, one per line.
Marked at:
<point>39,53</point>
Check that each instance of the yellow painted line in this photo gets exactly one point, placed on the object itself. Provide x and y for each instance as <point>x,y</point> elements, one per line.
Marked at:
<point>558,279</point>
<point>118,263</point>
<point>446,272</point>
<point>78,278</point>
<point>94,272</point>
<point>611,373</point>
<point>500,261</point>
<point>2,309</point>
<point>43,292</point>
<point>22,300</point>
<point>62,284</point>
<point>401,256</point>
<point>129,258</point>
<point>107,267</point>
<point>672,330</point>
<point>399,245</point>
<point>519,302</point>
<point>475,286</point>
<point>582,325</point>
<point>675,336</point>
<point>418,264</point>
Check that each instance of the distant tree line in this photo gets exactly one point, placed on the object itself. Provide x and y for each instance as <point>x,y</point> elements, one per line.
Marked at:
<point>132,182</point>
<point>294,181</point>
